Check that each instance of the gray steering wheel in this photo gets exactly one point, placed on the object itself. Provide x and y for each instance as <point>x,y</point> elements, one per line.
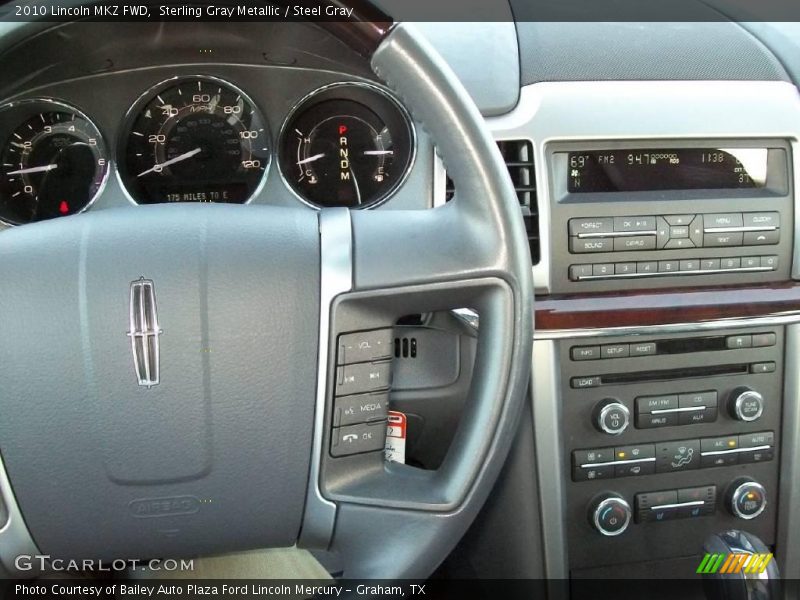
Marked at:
<point>238,309</point>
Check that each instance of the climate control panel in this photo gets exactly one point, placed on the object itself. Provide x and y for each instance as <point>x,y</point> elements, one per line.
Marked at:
<point>682,428</point>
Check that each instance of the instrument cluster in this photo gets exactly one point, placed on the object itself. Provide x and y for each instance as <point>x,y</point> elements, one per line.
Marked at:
<point>202,139</point>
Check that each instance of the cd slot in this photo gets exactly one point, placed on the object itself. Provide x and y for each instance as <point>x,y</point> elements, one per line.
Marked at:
<point>590,381</point>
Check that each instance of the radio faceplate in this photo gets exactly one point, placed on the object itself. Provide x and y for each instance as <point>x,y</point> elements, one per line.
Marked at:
<point>608,240</point>
<point>698,412</point>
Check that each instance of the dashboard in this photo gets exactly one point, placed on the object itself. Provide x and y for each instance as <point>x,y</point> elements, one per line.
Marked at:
<point>205,132</point>
<point>659,200</point>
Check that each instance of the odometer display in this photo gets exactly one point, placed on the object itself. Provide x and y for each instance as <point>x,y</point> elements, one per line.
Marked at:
<point>195,139</point>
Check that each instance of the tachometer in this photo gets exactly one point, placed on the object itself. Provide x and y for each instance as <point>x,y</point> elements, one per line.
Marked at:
<point>347,145</point>
<point>195,139</point>
<point>54,163</point>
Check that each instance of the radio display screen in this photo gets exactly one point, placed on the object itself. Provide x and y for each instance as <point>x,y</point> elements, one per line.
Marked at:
<point>644,170</point>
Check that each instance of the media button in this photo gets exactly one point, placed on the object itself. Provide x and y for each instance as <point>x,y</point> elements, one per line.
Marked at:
<point>694,399</point>
<point>651,421</point>
<point>651,403</point>
<point>692,417</point>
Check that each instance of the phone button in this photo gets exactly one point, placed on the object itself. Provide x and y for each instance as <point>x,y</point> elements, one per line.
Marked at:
<point>355,439</point>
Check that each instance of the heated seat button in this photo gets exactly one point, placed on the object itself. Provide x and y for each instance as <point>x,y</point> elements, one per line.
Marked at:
<point>360,408</point>
<point>365,346</point>
<point>362,377</point>
<point>355,439</point>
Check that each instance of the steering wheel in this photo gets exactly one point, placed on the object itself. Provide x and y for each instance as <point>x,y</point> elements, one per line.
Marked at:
<point>168,371</point>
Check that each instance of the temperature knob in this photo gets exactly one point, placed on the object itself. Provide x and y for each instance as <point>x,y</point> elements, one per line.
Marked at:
<point>746,498</point>
<point>610,514</point>
<point>611,416</point>
<point>746,404</point>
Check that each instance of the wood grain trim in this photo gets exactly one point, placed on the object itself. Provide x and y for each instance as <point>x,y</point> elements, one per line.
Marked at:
<point>646,308</point>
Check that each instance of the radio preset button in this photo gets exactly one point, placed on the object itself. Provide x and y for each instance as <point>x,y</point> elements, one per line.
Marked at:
<point>634,242</point>
<point>669,266</point>
<point>624,268</point>
<point>769,261</point>
<point>730,263</point>
<point>577,272</point>
<point>591,225</point>
<point>690,265</point>
<point>602,269</point>
<point>710,264</point>
<point>751,262</point>
<point>650,266</point>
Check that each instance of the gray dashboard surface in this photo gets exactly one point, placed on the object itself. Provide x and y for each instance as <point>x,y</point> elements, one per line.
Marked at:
<point>586,51</point>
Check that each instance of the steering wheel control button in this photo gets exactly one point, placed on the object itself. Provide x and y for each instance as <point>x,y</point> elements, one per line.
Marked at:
<point>365,346</point>
<point>746,404</point>
<point>611,416</point>
<point>610,515</point>
<point>361,408</point>
<point>746,499</point>
<point>357,439</point>
<point>683,455</point>
<point>362,377</point>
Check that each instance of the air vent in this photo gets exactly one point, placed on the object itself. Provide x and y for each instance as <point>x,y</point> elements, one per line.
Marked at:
<point>518,155</point>
<point>405,347</point>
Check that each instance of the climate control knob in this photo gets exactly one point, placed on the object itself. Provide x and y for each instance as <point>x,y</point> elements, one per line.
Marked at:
<point>746,498</point>
<point>745,404</point>
<point>610,514</point>
<point>611,416</point>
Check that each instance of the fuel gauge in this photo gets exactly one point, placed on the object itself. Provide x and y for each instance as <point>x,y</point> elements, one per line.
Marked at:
<point>347,145</point>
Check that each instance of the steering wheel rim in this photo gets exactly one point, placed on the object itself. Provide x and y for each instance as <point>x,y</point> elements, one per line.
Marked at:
<point>368,264</point>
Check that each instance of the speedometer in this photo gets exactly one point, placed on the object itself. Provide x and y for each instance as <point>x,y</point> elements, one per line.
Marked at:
<point>194,139</point>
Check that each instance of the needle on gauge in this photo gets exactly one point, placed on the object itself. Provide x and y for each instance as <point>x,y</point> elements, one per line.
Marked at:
<point>171,161</point>
<point>40,169</point>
